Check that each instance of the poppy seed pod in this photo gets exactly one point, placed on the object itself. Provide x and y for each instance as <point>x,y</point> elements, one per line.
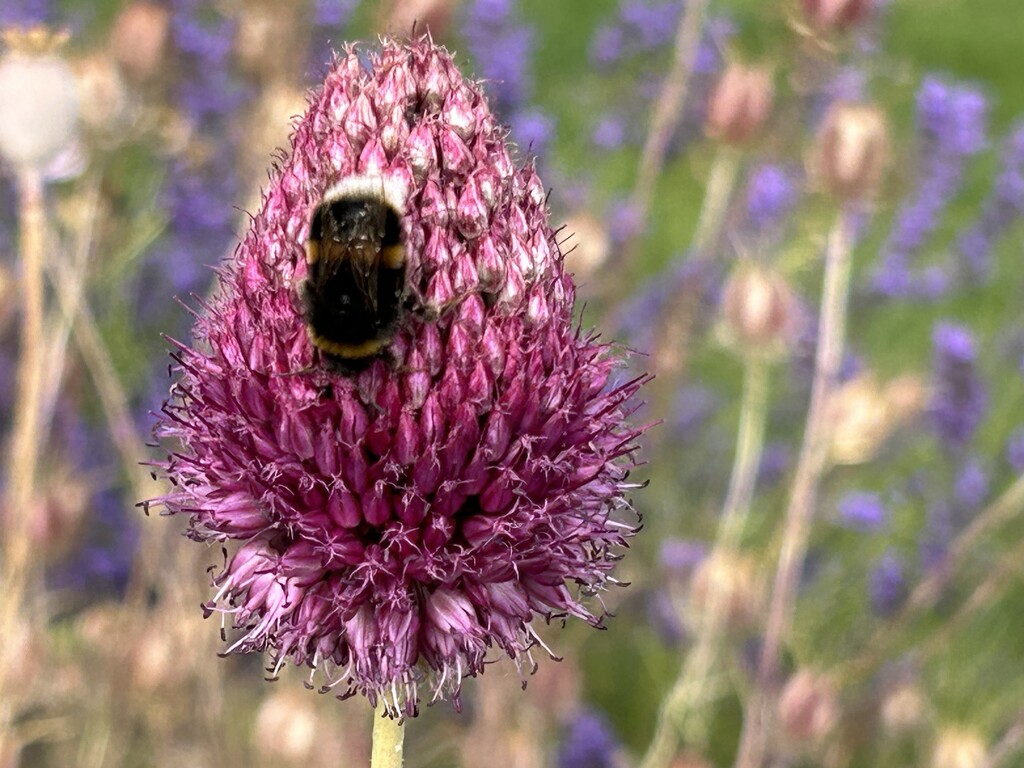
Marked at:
<point>852,150</point>
<point>740,104</point>
<point>833,15</point>
<point>38,100</point>
<point>395,526</point>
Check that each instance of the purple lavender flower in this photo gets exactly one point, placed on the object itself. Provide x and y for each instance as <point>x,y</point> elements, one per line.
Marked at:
<point>771,194</point>
<point>959,397</point>
<point>952,122</point>
<point>396,524</point>
<point>887,585</point>
<point>1004,205</point>
<point>1015,450</point>
<point>972,485</point>
<point>330,18</point>
<point>502,48</point>
<point>589,742</point>
<point>776,461</point>
<point>862,512</point>
<point>679,557</point>
<point>25,13</point>
<point>610,132</point>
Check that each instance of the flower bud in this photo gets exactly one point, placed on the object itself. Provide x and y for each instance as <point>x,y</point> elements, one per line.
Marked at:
<point>852,150</point>
<point>727,582</point>
<point>740,104</point>
<point>864,414</point>
<point>588,246</point>
<point>835,15</point>
<point>959,748</point>
<point>758,309</point>
<point>138,40</point>
<point>432,16</point>
<point>808,706</point>
<point>38,101</point>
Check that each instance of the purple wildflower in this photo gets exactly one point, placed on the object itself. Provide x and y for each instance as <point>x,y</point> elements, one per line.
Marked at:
<point>887,585</point>
<point>663,617</point>
<point>862,512</point>
<point>771,194</point>
<point>1005,204</point>
<point>972,485</point>
<point>679,557</point>
<point>25,13</point>
<point>330,18</point>
<point>398,523</point>
<point>776,461</point>
<point>589,742</point>
<point>952,123</point>
<point>1015,450</point>
<point>501,48</point>
<point>610,132</point>
<point>959,398</point>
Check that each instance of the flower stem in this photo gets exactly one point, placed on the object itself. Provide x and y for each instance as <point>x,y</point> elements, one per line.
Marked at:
<point>388,738</point>
<point>803,497</point>
<point>668,111</point>
<point>24,449</point>
<point>692,679</point>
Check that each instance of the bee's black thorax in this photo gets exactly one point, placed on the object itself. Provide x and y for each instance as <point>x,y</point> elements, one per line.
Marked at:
<point>353,297</point>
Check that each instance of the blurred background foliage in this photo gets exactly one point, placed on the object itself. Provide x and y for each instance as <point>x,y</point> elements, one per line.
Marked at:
<point>124,671</point>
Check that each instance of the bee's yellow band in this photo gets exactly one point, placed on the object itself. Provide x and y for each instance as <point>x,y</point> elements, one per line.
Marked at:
<point>367,348</point>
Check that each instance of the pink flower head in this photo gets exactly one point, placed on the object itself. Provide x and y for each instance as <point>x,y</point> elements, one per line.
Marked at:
<point>398,523</point>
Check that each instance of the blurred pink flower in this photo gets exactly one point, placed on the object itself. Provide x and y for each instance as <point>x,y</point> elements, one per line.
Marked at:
<point>399,523</point>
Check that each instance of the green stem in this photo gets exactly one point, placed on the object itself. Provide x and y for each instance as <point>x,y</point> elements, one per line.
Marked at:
<point>803,497</point>
<point>686,690</point>
<point>388,739</point>
<point>26,437</point>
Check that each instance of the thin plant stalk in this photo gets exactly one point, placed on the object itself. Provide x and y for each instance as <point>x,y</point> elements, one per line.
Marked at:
<point>804,493</point>
<point>25,445</point>
<point>388,740</point>
<point>668,111</point>
<point>1008,746</point>
<point>692,681</point>
<point>1006,507</point>
<point>721,182</point>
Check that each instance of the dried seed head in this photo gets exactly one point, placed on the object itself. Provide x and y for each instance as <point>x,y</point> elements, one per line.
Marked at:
<point>959,748</point>
<point>808,706</point>
<point>835,15</point>
<point>727,583</point>
<point>286,727</point>
<point>588,244</point>
<point>103,96</point>
<point>758,310</point>
<point>138,39</point>
<point>38,102</point>
<point>903,708</point>
<point>740,104</point>
<point>852,151</point>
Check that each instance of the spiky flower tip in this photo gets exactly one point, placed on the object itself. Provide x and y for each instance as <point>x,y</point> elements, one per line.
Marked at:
<point>398,526</point>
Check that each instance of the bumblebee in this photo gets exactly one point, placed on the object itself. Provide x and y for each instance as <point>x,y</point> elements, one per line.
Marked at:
<point>354,295</point>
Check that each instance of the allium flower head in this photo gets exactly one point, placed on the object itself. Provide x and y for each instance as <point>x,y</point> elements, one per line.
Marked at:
<point>397,525</point>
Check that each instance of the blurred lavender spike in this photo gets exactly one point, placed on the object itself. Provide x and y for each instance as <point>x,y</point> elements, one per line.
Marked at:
<point>589,742</point>
<point>502,48</point>
<point>952,123</point>
<point>25,13</point>
<point>959,399</point>
<point>1005,204</point>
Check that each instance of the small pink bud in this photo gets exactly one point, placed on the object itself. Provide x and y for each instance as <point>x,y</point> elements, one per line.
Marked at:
<point>808,706</point>
<point>852,150</point>
<point>138,40</point>
<point>758,308</point>
<point>835,15</point>
<point>740,104</point>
